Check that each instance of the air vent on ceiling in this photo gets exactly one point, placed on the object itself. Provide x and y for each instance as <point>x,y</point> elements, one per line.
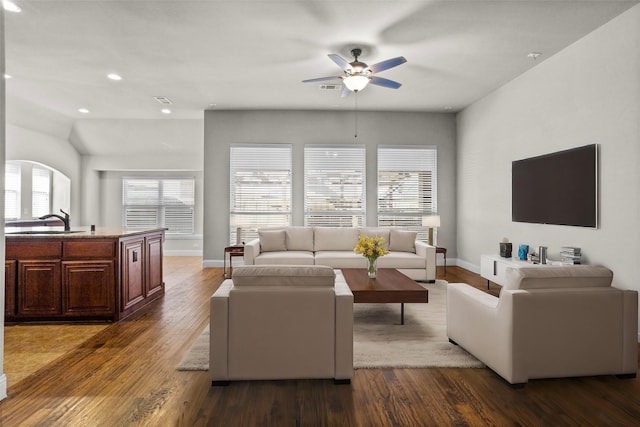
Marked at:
<point>163,100</point>
<point>334,86</point>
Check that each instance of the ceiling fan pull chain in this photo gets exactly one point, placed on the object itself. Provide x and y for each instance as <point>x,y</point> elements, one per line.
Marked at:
<point>356,130</point>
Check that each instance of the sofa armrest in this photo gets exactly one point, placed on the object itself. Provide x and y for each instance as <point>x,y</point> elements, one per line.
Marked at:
<point>219,332</point>
<point>482,324</point>
<point>251,251</point>
<point>429,253</point>
<point>344,329</point>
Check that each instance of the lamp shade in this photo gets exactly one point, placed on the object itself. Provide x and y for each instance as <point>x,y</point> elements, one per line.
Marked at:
<point>356,82</point>
<point>431,221</point>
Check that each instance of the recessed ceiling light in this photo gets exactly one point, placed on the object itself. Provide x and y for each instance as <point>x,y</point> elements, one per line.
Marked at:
<point>114,76</point>
<point>83,111</point>
<point>166,111</point>
<point>7,76</point>
<point>10,6</point>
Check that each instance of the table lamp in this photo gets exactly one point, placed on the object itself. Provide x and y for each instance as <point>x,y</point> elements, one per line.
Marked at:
<point>431,221</point>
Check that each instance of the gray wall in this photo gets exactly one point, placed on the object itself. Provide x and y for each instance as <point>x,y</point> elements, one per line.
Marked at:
<point>587,93</point>
<point>223,128</point>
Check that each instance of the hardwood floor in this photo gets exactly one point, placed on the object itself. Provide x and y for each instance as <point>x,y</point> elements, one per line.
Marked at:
<point>125,375</point>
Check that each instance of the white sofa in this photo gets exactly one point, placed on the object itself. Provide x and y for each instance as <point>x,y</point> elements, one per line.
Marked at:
<point>281,322</point>
<point>333,246</point>
<point>549,322</point>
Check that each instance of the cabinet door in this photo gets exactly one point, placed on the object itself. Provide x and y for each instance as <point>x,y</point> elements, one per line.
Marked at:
<point>10,288</point>
<point>133,290</point>
<point>88,288</point>
<point>154,265</point>
<point>39,291</point>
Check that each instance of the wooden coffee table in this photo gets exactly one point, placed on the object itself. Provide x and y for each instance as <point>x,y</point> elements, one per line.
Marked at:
<point>389,286</point>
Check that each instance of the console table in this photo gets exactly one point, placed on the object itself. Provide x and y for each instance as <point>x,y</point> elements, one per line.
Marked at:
<point>231,251</point>
<point>493,267</point>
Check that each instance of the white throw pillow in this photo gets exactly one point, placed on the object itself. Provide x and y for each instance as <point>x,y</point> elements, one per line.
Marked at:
<point>402,240</point>
<point>272,241</point>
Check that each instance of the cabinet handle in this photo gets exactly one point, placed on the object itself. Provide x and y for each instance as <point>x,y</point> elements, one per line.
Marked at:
<point>135,256</point>
<point>495,268</point>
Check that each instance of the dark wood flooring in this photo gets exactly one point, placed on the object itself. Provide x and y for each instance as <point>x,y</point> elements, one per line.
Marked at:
<point>125,375</point>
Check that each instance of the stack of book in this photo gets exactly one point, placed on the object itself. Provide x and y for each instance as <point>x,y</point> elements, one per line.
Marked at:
<point>570,255</point>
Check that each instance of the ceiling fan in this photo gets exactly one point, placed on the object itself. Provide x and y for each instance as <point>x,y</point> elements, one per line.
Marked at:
<point>358,74</point>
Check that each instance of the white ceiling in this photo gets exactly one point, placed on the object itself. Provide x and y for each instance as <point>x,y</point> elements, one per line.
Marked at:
<point>253,54</point>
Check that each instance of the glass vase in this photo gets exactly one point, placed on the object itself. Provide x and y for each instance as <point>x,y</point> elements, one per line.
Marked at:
<point>373,268</point>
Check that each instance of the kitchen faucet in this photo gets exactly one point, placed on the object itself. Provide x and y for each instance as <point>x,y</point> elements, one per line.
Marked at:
<point>64,219</point>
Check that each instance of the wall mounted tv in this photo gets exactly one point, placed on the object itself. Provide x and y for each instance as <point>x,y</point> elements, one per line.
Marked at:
<point>557,188</point>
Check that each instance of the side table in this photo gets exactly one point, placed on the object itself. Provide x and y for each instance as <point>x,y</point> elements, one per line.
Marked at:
<point>443,251</point>
<point>231,251</point>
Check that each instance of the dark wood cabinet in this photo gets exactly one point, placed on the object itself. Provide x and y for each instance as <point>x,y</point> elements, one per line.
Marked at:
<point>39,288</point>
<point>82,277</point>
<point>10,288</point>
<point>87,288</point>
<point>141,270</point>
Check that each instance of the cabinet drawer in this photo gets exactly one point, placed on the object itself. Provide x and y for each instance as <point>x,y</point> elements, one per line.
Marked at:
<point>31,249</point>
<point>89,249</point>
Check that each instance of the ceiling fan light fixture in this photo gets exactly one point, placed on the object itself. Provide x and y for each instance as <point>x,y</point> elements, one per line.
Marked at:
<point>356,83</point>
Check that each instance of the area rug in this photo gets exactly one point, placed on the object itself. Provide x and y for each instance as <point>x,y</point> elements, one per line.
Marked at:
<point>380,341</point>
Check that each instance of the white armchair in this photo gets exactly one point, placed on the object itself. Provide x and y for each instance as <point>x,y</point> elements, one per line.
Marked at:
<point>281,322</point>
<point>549,322</point>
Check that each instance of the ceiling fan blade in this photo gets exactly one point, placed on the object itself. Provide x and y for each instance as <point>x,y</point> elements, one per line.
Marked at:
<point>389,63</point>
<point>342,63</point>
<point>375,80</point>
<point>323,79</point>
<point>345,92</point>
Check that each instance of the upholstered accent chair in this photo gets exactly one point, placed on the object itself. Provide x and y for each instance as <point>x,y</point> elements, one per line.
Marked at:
<point>281,322</point>
<point>549,322</point>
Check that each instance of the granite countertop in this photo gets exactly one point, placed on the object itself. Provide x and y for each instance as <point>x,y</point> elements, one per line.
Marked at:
<point>81,232</point>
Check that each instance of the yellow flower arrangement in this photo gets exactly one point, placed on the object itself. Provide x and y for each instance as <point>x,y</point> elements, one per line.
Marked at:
<point>371,248</point>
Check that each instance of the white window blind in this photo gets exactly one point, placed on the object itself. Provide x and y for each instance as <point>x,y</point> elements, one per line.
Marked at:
<point>40,191</point>
<point>334,185</point>
<point>12,191</point>
<point>159,202</point>
<point>406,185</point>
<point>260,189</point>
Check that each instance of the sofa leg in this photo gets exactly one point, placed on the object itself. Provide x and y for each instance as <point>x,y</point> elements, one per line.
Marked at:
<point>342,381</point>
<point>626,376</point>
<point>431,281</point>
<point>517,386</point>
<point>452,342</point>
<point>215,383</point>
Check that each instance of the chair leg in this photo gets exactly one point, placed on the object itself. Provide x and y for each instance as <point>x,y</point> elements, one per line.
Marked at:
<point>341,381</point>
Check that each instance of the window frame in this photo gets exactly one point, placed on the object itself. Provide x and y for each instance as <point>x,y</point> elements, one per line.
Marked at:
<point>324,163</point>
<point>183,210</point>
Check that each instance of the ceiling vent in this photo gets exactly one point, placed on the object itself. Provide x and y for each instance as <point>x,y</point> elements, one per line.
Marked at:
<point>163,100</point>
<point>334,86</point>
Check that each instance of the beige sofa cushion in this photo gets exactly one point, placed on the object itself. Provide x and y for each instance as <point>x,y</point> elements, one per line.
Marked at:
<point>335,238</point>
<point>402,240</point>
<point>283,275</point>
<point>377,232</point>
<point>581,276</point>
<point>272,240</point>
<point>299,238</point>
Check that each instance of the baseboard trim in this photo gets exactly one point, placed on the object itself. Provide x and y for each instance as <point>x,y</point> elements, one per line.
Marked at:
<point>179,252</point>
<point>468,266</point>
<point>3,387</point>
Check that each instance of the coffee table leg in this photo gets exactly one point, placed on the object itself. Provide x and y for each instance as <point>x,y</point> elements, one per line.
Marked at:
<point>402,313</point>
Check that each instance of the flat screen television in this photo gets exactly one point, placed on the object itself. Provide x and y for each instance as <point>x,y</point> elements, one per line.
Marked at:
<point>557,188</point>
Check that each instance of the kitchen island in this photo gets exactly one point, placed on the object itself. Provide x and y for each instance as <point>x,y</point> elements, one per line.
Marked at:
<point>81,275</point>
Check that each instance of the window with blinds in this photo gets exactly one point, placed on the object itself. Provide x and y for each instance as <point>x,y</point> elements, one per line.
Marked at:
<point>334,185</point>
<point>260,189</point>
<point>159,202</point>
<point>40,191</point>
<point>406,186</point>
<point>12,191</point>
